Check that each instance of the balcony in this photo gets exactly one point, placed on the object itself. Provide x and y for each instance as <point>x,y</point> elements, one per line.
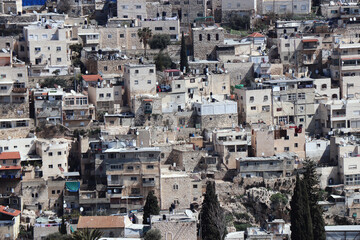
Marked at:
<point>19,90</point>
<point>85,200</point>
<point>77,117</point>
<point>148,184</point>
<point>115,183</point>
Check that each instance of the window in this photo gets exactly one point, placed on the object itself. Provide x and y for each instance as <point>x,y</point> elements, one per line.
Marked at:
<point>108,95</point>
<point>130,168</point>
<point>301,119</point>
<point>58,59</point>
<point>158,28</point>
<point>138,6</point>
<point>265,108</point>
<point>296,145</point>
<point>251,99</point>
<point>292,97</point>
<point>253,108</point>
<point>125,7</point>
<point>287,44</point>
<point>58,49</point>
<point>200,37</point>
<point>136,82</point>
<point>133,35</point>
<point>3,87</point>
<point>50,154</point>
<point>151,71</point>
<point>286,149</point>
<point>101,95</point>
<point>209,37</point>
<point>50,166</point>
<point>105,68</point>
<point>150,166</point>
<point>59,153</point>
<point>286,58</point>
<point>59,165</point>
<point>37,49</point>
<point>352,166</point>
<point>135,191</point>
<point>172,28</point>
<point>175,186</point>
<point>53,191</point>
<point>148,81</point>
<point>136,71</point>
<point>195,186</point>
<point>301,95</point>
<point>44,36</point>
<point>133,178</point>
<point>266,98</point>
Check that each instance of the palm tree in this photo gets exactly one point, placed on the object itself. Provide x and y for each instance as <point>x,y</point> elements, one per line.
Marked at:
<point>87,234</point>
<point>145,34</point>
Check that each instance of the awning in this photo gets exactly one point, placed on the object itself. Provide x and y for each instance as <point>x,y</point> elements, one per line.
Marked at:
<point>72,186</point>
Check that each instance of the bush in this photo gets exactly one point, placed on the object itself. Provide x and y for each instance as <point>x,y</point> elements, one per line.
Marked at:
<point>163,61</point>
<point>278,198</point>
<point>159,41</point>
<point>153,234</point>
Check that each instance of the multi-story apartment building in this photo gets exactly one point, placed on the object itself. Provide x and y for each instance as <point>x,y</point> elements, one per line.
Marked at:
<point>135,9</point>
<point>106,97</point>
<point>54,156</point>
<point>45,48</point>
<point>48,105</point>
<point>10,173</point>
<point>77,112</point>
<point>232,7</point>
<point>187,11</point>
<point>139,80</point>
<point>231,145</point>
<point>14,96</point>
<point>254,104</point>
<point>282,7</point>
<point>169,27</point>
<point>131,174</point>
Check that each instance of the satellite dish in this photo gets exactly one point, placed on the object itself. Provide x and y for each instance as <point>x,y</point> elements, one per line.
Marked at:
<point>81,209</point>
<point>64,205</point>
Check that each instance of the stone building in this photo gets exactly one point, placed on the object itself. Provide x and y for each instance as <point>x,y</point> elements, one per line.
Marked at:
<point>166,26</point>
<point>131,9</point>
<point>188,11</point>
<point>235,7</point>
<point>106,97</point>
<point>214,114</point>
<point>179,226</point>
<point>205,39</point>
<point>10,172</point>
<point>179,189</point>
<point>158,10</point>
<point>110,226</point>
<point>282,7</point>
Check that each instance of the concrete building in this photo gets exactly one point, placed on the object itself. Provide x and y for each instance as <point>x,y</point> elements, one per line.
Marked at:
<point>131,174</point>
<point>77,112</point>
<point>267,167</point>
<point>282,7</point>
<point>212,115</point>
<point>231,145</point>
<point>234,7</point>
<point>106,97</point>
<point>10,172</point>
<point>45,47</point>
<point>54,156</point>
<point>139,80</point>
<point>14,95</point>
<point>48,103</point>
<point>132,9</point>
<point>254,105</point>
<point>11,6</point>
<point>9,222</point>
<point>166,26</point>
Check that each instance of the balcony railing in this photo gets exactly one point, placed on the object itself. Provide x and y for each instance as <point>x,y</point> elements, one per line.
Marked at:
<point>148,183</point>
<point>338,115</point>
<point>19,90</point>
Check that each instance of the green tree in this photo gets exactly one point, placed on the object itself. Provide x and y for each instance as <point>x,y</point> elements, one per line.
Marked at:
<point>278,198</point>
<point>183,55</point>
<point>159,41</point>
<point>162,61</point>
<point>87,234</point>
<point>145,35</point>
<point>212,218</point>
<point>153,234</point>
<point>311,180</point>
<point>151,207</point>
<point>62,227</point>
<point>57,236</point>
<point>238,22</point>
<point>301,226</point>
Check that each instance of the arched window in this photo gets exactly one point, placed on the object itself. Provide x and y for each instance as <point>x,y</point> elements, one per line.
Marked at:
<point>266,97</point>
<point>200,37</point>
<point>217,37</point>
<point>334,96</point>
<point>324,86</point>
<point>208,37</point>
<point>175,186</point>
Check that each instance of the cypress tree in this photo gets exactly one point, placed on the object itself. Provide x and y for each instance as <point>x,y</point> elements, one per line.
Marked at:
<point>183,55</point>
<point>311,179</point>
<point>212,218</point>
<point>296,216</point>
<point>307,228</point>
<point>62,227</point>
<point>151,207</point>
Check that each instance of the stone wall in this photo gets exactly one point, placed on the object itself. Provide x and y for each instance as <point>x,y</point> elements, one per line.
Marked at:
<point>14,110</point>
<point>218,121</point>
<point>176,189</point>
<point>21,132</point>
<point>205,41</point>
